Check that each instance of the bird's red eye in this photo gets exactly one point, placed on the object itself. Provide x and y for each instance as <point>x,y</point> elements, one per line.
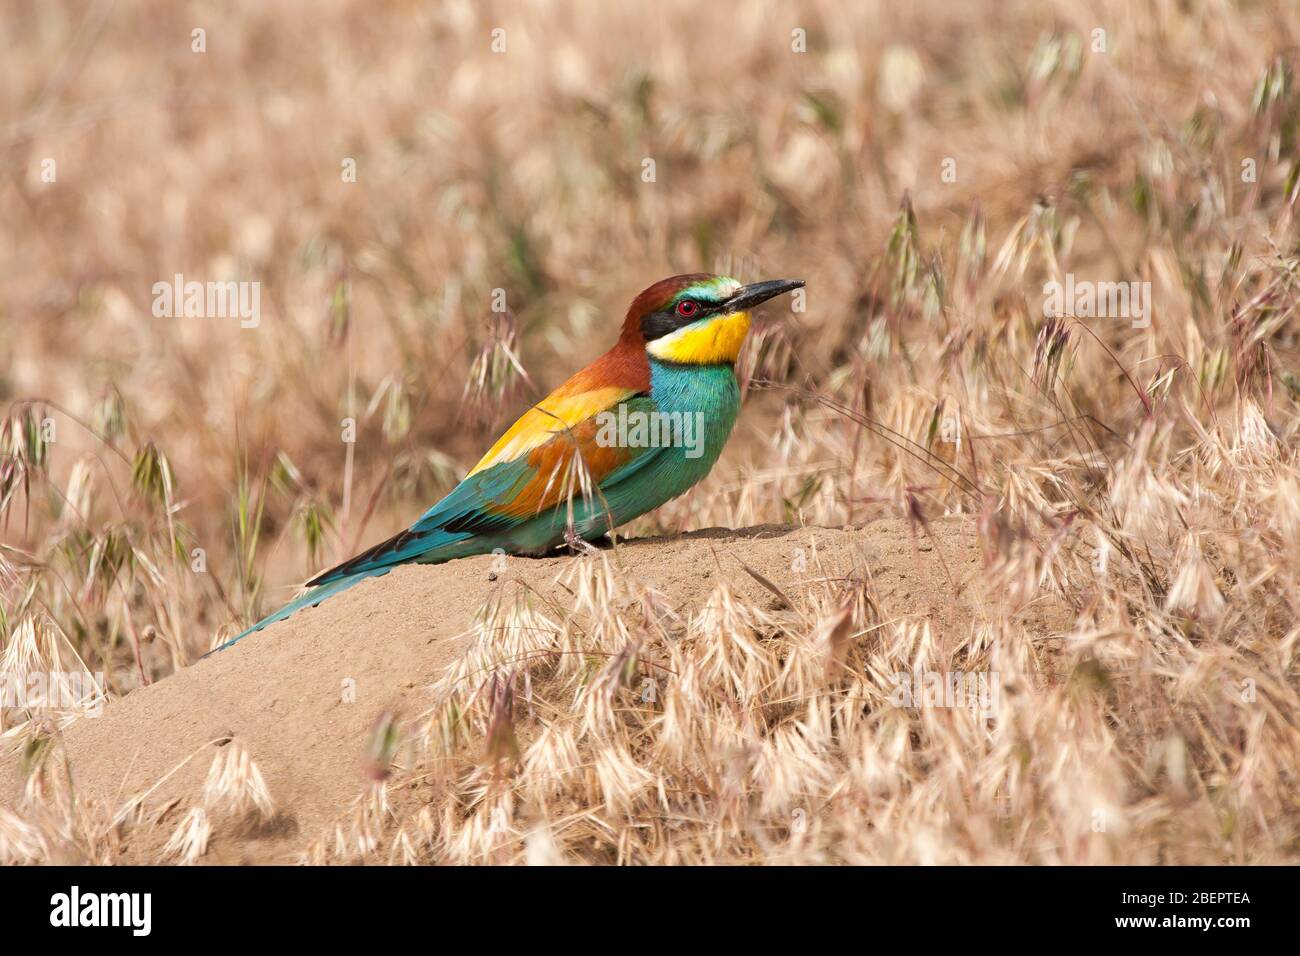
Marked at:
<point>687,307</point>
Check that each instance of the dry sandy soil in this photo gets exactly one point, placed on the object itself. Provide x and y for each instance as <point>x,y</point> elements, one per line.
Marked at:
<point>281,692</point>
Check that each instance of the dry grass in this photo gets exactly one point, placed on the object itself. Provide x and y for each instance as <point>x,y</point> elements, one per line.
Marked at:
<point>1146,478</point>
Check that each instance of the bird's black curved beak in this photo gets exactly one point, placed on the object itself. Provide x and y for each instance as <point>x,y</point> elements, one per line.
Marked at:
<point>751,295</point>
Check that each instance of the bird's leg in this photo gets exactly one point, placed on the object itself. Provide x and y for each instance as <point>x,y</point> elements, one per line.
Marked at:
<point>576,544</point>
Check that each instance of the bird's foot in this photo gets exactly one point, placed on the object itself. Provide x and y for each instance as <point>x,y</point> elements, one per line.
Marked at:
<point>578,545</point>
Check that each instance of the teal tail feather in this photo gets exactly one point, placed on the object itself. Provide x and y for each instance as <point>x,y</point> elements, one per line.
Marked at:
<point>311,598</point>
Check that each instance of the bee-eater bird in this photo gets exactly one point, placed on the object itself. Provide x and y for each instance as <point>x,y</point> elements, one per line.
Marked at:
<point>571,469</point>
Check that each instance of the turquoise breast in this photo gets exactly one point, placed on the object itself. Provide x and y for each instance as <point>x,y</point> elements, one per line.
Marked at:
<point>696,406</point>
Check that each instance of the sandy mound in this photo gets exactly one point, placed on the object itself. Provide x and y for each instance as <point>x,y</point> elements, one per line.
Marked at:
<point>282,692</point>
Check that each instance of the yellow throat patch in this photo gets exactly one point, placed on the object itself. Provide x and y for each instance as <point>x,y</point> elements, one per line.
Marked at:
<point>712,342</point>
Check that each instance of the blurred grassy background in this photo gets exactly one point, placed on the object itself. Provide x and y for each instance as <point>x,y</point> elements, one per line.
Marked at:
<point>1143,479</point>
<point>522,170</point>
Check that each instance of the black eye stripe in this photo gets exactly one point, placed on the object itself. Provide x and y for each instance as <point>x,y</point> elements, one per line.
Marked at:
<point>655,325</point>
